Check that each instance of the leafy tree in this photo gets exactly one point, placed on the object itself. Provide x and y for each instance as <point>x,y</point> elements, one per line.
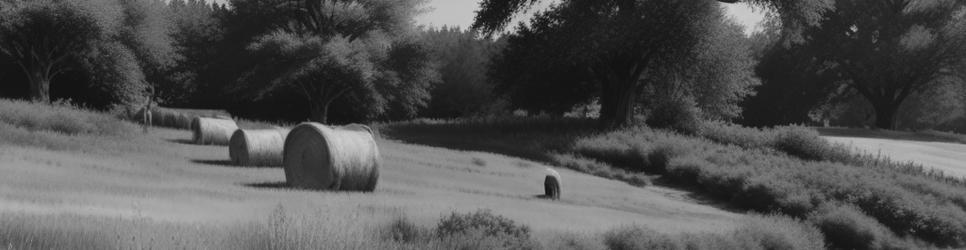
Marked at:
<point>196,34</point>
<point>887,51</point>
<point>329,49</point>
<point>619,49</point>
<point>102,48</point>
<point>464,88</point>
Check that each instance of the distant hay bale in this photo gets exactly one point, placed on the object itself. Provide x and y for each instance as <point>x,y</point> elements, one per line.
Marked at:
<point>179,118</point>
<point>262,147</point>
<point>551,184</point>
<point>331,158</point>
<point>212,131</point>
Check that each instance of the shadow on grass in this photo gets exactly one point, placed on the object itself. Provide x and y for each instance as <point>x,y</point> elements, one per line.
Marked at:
<point>182,141</point>
<point>270,185</point>
<point>228,163</point>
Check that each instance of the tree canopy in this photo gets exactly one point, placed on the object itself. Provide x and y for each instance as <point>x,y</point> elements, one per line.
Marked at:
<point>327,49</point>
<point>620,49</point>
<point>887,51</point>
<point>109,44</point>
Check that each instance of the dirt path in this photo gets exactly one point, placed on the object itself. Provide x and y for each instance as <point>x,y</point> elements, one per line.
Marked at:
<point>947,157</point>
<point>174,181</point>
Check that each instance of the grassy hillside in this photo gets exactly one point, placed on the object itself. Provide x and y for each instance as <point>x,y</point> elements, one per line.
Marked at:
<point>113,187</point>
<point>788,170</point>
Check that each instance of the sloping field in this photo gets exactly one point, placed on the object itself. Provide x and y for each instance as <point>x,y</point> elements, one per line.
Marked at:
<point>165,179</point>
<point>948,157</point>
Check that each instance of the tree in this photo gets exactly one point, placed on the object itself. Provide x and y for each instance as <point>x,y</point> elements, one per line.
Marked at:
<point>329,49</point>
<point>107,44</point>
<point>43,36</point>
<point>196,35</point>
<point>464,88</point>
<point>619,49</point>
<point>887,51</point>
<point>622,40</point>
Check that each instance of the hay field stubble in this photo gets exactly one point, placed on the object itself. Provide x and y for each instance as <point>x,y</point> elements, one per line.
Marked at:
<point>164,180</point>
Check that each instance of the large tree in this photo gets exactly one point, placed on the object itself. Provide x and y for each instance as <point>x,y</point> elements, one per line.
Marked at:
<point>887,51</point>
<point>329,49</point>
<point>109,44</point>
<point>618,46</point>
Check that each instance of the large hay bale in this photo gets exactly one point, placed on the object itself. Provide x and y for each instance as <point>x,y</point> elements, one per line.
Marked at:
<point>331,158</point>
<point>551,184</point>
<point>262,147</point>
<point>212,131</point>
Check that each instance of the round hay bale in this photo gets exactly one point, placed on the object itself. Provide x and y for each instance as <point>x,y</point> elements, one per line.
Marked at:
<point>551,184</point>
<point>263,147</point>
<point>211,131</point>
<point>169,118</point>
<point>331,158</point>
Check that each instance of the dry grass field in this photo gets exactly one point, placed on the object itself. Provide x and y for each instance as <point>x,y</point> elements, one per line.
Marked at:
<point>158,190</point>
<point>943,154</point>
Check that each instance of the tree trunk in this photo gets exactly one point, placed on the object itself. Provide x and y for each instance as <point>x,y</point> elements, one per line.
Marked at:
<point>39,86</point>
<point>319,111</point>
<point>617,104</point>
<point>885,115</point>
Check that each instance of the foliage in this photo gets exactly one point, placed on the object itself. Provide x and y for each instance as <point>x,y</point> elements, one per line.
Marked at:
<point>888,51</point>
<point>463,59</point>
<point>680,115</point>
<point>368,56</point>
<point>98,52</point>
<point>756,232</point>
<point>196,33</point>
<point>617,49</point>
<point>845,227</point>
<point>487,224</point>
<point>754,169</point>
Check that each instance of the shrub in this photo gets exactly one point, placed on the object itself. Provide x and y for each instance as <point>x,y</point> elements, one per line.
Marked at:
<point>638,238</point>
<point>681,115</point>
<point>403,230</point>
<point>61,118</point>
<point>484,225</point>
<point>801,142</point>
<point>845,227</point>
<point>778,232</point>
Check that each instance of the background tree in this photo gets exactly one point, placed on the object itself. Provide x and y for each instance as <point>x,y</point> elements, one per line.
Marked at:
<point>887,51</point>
<point>101,48</point>
<point>329,49</point>
<point>619,49</point>
<point>463,58</point>
<point>196,32</point>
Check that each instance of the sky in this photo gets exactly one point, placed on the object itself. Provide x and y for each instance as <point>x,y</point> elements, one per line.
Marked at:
<point>461,12</point>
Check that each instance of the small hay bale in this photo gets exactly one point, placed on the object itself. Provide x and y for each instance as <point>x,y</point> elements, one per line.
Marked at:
<point>262,147</point>
<point>331,158</point>
<point>211,131</point>
<point>551,184</point>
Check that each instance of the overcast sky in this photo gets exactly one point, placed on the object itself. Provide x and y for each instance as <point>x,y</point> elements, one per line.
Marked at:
<point>461,13</point>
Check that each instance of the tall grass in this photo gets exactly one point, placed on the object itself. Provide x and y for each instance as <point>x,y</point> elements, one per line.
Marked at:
<point>63,127</point>
<point>788,170</point>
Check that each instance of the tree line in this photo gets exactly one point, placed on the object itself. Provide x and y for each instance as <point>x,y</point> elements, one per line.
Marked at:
<point>887,64</point>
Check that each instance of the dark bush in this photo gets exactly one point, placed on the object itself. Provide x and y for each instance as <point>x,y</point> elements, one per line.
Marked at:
<point>801,142</point>
<point>638,238</point>
<point>845,227</point>
<point>680,115</point>
<point>403,230</point>
<point>485,224</point>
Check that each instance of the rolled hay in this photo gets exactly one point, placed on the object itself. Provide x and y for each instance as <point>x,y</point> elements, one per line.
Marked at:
<point>261,147</point>
<point>551,184</point>
<point>179,118</point>
<point>331,158</point>
<point>212,131</point>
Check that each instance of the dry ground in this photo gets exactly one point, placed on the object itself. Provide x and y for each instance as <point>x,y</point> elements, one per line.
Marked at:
<point>932,152</point>
<point>166,179</point>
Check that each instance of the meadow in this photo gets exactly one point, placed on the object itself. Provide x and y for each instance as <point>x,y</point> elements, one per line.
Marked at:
<point>787,170</point>
<point>97,182</point>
